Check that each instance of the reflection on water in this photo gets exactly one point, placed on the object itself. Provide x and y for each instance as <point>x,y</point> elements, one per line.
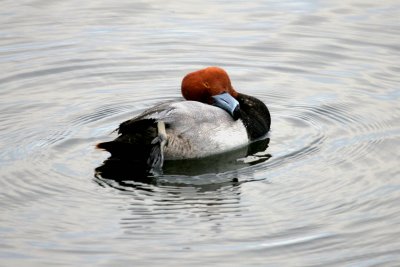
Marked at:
<point>122,170</point>
<point>321,191</point>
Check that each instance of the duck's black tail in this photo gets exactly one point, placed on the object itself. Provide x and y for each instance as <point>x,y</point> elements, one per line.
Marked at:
<point>126,151</point>
<point>140,142</point>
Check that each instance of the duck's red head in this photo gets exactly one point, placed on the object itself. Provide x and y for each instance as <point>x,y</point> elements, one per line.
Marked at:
<point>201,85</point>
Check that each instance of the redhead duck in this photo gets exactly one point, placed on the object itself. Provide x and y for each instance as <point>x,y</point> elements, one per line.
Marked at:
<point>213,119</point>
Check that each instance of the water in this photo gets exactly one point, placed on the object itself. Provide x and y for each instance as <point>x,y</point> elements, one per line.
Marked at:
<point>324,193</point>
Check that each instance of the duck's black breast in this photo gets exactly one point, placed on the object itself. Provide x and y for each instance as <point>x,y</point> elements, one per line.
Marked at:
<point>255,116</point>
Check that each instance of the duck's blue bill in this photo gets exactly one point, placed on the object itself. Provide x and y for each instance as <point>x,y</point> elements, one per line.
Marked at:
<point>227,103</point>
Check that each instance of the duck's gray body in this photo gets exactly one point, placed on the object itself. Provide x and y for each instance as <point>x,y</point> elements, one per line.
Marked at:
<point>195,130</point>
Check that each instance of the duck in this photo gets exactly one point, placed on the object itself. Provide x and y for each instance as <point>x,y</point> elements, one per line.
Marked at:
<point>213,118</point>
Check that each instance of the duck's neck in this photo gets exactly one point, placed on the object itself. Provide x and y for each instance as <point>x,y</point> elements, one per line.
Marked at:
<point>255,116</point>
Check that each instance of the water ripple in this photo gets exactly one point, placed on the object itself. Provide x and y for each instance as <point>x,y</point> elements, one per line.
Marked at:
<point>327,71</point>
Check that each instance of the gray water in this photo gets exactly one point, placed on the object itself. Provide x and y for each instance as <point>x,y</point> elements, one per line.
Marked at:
<point>324,193</point>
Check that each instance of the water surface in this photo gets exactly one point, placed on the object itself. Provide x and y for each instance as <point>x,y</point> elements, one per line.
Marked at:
<point>324,193</point>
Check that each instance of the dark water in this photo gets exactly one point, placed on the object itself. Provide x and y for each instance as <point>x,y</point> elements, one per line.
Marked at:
<point>325,192</point>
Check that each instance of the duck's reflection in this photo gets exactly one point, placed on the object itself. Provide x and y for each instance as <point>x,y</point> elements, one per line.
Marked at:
<point>190,191</point>
<point>127,172</point>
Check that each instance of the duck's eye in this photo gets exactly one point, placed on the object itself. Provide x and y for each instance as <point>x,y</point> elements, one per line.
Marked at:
<point>206,85</point>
